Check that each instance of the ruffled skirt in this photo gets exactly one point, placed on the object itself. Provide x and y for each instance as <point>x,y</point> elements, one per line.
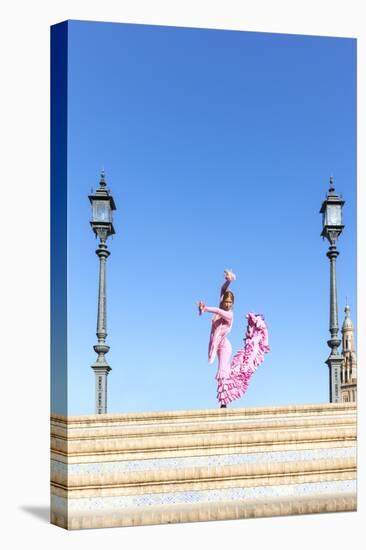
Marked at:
<point>233,377</point>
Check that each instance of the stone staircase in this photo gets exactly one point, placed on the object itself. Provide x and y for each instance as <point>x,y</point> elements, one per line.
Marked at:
<point>178,466</point>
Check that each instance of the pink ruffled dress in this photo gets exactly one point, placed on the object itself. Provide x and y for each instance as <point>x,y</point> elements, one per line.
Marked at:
<point>233,376</point>
<point>220,345</point>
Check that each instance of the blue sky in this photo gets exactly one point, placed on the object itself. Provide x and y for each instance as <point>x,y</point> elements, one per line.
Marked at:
<point>217,147</point>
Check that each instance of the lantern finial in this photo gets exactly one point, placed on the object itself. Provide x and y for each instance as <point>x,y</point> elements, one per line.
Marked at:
<point>331,185</point>
<point>102,180</point>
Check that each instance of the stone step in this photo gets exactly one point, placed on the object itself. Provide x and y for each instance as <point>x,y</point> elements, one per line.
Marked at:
<point>158,430</point>
<point>206,415</point>
<point>210,511</point>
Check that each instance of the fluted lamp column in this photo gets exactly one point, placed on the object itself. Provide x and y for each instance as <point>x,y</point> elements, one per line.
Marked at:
<point>331,210</point>
<point>102,224</point>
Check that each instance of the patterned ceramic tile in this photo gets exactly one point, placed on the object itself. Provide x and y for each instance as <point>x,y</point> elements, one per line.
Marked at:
<point>217,495</point>
<point>199,461</point>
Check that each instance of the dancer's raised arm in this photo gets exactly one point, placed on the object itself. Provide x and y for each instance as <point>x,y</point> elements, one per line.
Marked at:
<point>226,300</point>
<point>229,276</point>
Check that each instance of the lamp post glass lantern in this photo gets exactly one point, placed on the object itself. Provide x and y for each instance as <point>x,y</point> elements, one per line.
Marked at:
<point>332,214</point>
<point>102,224</point>
<point>331,211</point>
<point>102,211</point>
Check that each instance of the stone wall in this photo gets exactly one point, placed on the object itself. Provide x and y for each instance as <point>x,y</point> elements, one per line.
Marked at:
<point>165,467</point>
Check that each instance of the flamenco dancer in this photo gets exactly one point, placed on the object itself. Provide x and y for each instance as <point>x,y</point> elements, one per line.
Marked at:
<point>233,375</point>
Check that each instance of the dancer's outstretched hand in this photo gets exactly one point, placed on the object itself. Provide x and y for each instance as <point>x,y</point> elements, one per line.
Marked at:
<point>229,275</point>
<point>201,307</point>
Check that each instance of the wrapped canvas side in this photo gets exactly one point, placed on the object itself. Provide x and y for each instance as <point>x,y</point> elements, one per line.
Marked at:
<point>59,44</point>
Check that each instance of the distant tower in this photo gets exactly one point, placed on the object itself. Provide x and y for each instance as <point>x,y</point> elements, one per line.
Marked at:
<point>349,366</point>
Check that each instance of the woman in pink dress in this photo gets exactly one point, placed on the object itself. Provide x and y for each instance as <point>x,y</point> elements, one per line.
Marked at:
<point>233,375</point>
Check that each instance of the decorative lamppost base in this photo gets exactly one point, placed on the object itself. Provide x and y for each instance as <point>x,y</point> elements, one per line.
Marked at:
<point>334,363</point>
<point>101,373</point>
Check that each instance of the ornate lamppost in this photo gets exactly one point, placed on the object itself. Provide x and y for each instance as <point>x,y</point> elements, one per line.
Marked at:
<point>332,228</point>
<point>102,224</point>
